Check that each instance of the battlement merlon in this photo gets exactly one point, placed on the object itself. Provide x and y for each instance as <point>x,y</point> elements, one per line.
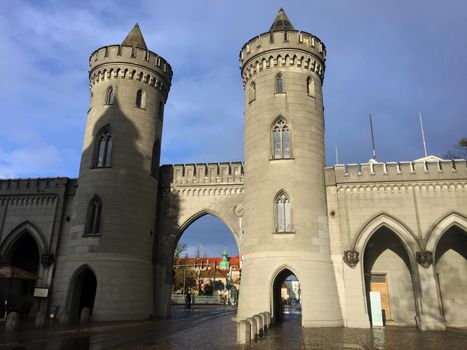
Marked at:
<point>37,186</point>
<point>201,174</point>
<point>397,171</point>
<point>294,41</point>
<point>130,58</point>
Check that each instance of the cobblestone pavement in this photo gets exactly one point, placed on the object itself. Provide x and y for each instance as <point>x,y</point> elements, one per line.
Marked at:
<point>214,328</point>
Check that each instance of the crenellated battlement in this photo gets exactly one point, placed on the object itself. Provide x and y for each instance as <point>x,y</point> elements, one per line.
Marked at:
<point>397,171</point>
<point>201,174</point>
<point>125,62</point>
<point>36,185</point>
<point>282,48</point>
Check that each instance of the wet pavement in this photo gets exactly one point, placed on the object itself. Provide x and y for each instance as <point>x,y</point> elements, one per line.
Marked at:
<point>213,327</point>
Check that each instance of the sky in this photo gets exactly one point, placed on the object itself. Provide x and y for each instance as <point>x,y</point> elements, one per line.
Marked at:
<point>392,59</point>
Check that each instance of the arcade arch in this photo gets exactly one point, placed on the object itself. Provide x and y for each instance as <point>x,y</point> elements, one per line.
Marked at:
<point>448,242</point>
<point>388,268</point>
<point>198,266</point>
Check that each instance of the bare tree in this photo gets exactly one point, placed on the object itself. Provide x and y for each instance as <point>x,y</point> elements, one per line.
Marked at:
<point>459,151</point>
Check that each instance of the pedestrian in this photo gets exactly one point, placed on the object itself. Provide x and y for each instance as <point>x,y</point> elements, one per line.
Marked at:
<point>188,301</point>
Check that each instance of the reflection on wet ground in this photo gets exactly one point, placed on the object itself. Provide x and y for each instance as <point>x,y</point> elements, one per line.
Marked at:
<point>211,327</point>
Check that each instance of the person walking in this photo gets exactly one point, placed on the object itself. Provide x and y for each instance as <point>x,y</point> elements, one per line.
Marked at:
<point>188,301</point>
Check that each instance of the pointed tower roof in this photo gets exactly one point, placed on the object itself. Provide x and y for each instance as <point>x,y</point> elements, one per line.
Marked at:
<point>135,38</point>
<point>281,22</point>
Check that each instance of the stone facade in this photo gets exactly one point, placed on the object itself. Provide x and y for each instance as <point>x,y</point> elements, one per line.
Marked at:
<point>106,240</point>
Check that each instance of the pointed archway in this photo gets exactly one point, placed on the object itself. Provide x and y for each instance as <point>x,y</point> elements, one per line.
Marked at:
<point>205,262</point>
<point>450,262</point>
<point>22,258</point>
<point>82,293</point>
<point>286,296</point>
<point>388,273</point>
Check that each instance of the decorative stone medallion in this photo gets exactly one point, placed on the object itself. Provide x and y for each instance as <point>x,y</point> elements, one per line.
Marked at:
<point>424,258</point>
<point>238,210</point>
<point>351,258</point>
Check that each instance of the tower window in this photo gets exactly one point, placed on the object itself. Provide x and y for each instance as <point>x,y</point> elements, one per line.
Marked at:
<point>252,92</point>
<point>93,219</point>
<point>110,98</point>
<point>140,99</point>
<point>156,151</point>
<point>103,152</point>
<point>282,209</point>
<point>280,139</point>
<point>310,87</point>
<point>279,84</point>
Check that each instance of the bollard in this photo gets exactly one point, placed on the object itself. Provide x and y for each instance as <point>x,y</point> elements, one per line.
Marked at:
<point>39,321</point>
<point>12,321</point>
<point>268,317</point>
<point>243,332</point>
<point>85,315</point>
<point>265,321</point>
<point>259,324</point>
<point>253,328</point>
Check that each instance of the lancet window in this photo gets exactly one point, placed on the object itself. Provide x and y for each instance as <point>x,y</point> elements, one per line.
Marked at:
<point>103,153</point>
<point>283,214</point>
<point>110,98</point>
<point>93,219</point>
<point>252,92</point>
<point>310,87</point>
<point>140,99</point>
<point>279,84</point>
<point>281,139</point>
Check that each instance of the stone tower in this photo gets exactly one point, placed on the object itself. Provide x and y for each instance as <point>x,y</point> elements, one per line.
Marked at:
<point>112,227</point>
<point>285,224</point>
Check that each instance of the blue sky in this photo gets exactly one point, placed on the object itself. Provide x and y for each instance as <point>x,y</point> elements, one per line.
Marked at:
<point>388,58</point>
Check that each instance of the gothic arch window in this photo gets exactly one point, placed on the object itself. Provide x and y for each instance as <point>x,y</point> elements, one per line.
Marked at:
<point>94,216</point>
<point>252,92</point>
<point>156,151</point>
<point>282,212</point>
<point>279,84</point>
<point>140,99</point>
<point>103,152</point>
<point>110,96</point>
<point>310,87</point>
<point>281,139</point>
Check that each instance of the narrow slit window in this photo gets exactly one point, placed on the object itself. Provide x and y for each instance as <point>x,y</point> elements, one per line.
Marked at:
<point>279,84</point>
<point>252,92</point>
<point>110,98</point>
<point>140,99</point>
<point>310,87</point>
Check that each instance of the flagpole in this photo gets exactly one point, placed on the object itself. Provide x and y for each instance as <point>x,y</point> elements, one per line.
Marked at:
<point>372,138</point>
<point>423,134</point>
<point>337,156</point>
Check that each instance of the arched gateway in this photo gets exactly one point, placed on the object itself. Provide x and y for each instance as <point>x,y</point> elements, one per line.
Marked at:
<point>399,225</point>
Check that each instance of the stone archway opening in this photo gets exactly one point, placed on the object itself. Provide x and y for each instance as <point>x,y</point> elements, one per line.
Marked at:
<point>22,264</point>
<point>388,280</point>
<point>83,293</point>
<point>451,268</point>
<point>286,297</point>
<point>206,264</point>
